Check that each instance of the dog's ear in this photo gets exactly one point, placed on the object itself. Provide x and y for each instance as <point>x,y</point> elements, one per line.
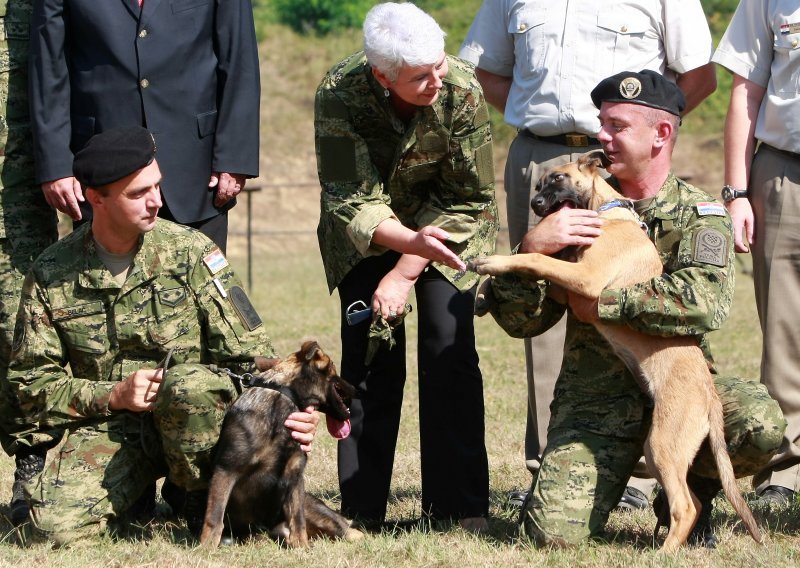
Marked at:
<point>265,363</point>
<point>309,350</point>
<point>594,160</point>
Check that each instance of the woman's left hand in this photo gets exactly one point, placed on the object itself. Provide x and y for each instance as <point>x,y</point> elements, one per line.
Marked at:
<point>391,294</point>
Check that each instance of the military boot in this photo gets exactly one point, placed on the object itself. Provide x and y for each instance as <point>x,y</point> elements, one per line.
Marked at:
<point>705,489</point>
<point>194,510</point>
<point>30,463</point>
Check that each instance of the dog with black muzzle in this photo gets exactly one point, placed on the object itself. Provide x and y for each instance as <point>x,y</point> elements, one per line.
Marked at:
<point>672,370</point>
<point>257,484</point>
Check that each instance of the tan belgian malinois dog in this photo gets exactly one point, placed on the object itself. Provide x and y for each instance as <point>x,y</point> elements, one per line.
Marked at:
<point>672,370</point>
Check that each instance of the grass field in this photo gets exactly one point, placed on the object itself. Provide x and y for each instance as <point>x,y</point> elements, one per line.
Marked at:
<point>291,295</point>
<point>289,291</point>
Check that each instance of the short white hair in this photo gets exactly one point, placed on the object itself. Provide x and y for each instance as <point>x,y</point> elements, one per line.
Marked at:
<point>401,34</point>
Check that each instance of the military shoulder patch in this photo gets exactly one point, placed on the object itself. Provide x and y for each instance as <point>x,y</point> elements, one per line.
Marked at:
<point>705,208</point>
<point>244,308</point>
<point>215,261</point>
<point>711,247</point>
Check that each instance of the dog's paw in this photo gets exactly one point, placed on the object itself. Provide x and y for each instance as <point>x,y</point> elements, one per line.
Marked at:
<point>486,265</point>
<point>352,535</point>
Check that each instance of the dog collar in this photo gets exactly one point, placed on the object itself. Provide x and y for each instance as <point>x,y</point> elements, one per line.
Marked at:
<point>626,204</point>
<point>284,390</point>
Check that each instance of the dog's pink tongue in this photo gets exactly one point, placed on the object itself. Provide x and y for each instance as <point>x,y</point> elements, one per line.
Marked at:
<point>339,429</point>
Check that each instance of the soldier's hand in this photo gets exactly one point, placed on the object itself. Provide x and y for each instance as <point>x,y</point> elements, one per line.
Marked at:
<point>64,194</point>
<point>137,392</point>
<point>566,227</point>
<point>584,309</point>
<point>228,186</point>
<point>303,427</point>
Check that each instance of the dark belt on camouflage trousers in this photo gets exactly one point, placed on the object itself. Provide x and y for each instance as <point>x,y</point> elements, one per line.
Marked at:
<point>571,139</point>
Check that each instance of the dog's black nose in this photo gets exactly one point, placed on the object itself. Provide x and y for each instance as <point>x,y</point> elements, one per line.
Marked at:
<point>537,202</point>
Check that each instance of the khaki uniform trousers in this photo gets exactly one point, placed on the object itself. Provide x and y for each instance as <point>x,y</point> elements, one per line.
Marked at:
<point>774,192</point>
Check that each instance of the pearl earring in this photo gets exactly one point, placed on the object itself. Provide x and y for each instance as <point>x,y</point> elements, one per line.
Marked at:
<point>386,93</point>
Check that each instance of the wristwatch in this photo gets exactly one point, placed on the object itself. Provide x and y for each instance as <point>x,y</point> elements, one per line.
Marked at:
<point>730,193</point>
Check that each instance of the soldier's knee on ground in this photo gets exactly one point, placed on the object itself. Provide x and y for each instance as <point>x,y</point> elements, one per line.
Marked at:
<point>754,427</point>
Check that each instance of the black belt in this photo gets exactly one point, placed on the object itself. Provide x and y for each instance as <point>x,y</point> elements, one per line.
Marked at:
<point>788,153</point>
<point>571,139</point>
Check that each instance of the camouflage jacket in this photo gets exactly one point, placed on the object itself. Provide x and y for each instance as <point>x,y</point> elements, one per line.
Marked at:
<point>179,294</point>
<point>25,206</point>
<point>693,235</point>
<point>437,170</point>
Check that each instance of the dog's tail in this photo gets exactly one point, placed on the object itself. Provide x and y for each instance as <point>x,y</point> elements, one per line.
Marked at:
<point>716,440</point>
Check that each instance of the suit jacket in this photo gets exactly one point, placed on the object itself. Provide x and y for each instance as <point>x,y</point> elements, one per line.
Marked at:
<point>185,69</point>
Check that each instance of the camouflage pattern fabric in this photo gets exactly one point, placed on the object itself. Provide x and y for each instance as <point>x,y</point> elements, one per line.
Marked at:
<point>381,335</point>
<point>600,416</point>
<point>27,223</point>
<point>176,296</point>
<point>438,170</point>
<point>102,468</point>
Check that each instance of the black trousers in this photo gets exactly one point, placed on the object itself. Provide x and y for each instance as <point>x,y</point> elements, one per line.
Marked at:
<point>455,471</point>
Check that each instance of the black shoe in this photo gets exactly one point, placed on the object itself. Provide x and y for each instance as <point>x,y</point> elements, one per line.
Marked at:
<point>775,496</point>
<point>633,500</point>
<point>705,489</point>
<point>29,464</point>
<point>516,499</point>
<point>173,496</point>
<point>194,511</point>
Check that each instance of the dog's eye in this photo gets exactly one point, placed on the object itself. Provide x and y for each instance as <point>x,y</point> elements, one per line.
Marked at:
<point>558,177</point>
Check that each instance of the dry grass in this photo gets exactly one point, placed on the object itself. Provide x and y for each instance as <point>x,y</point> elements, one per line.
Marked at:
<point>290,293</point>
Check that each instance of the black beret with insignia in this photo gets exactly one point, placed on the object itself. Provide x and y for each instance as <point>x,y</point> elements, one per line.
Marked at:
<point>113,154</point>
<point>647,88</point>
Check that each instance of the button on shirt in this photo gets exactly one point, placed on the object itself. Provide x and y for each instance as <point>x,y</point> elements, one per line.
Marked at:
<point>557,52</point>
<point>762,44</point>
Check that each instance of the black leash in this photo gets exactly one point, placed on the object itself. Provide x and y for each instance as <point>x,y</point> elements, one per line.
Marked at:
<point>248,380</point>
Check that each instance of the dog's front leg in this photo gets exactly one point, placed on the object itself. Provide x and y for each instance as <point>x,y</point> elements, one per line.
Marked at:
<point>218,494</point>
<point>294,513</point>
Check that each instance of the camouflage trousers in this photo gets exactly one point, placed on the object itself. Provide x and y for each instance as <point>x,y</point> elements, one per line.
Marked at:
<point>101,469</point>
<point>585,466</point>
<point>16,256</point>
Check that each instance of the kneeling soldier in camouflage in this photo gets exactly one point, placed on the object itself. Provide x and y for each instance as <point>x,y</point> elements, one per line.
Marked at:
<point>114,300</point>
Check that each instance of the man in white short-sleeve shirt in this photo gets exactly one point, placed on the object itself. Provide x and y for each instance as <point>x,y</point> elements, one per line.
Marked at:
<point>762,192</point>
<point>537,61</point>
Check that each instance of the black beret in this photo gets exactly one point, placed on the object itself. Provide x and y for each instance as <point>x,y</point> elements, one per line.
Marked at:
<point>112,155</point>
<point>647,88</point>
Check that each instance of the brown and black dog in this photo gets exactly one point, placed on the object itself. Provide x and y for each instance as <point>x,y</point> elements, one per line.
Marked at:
<point>672,370</point>
<point>257,484</point>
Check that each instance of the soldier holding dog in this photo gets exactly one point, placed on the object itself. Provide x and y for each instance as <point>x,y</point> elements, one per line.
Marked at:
<point>136,307</point>
<point>600,416</point>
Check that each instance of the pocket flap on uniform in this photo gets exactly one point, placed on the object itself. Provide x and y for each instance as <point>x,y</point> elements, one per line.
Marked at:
<point>77,311</point>
<point>622,23</point>
<point>206,123</point>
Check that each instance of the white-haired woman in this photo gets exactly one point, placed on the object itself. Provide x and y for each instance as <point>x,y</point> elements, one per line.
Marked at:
<point>404,157</point>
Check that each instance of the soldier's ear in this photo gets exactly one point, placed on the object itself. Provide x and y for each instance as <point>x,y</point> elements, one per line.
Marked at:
<point>93,196</point>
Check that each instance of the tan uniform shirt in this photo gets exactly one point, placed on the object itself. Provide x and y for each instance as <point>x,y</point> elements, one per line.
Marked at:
<point>762,45</point>
<point>557,52</point>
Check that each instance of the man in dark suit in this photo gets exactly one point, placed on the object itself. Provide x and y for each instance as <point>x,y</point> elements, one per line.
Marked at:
<point>185,69</point>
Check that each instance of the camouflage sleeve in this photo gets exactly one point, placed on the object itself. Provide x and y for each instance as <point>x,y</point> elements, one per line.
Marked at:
<point>233,331</point>
<point>352,192</point>
<point>48,394</point>
<point>694,294</point>
<point>520,305</point>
